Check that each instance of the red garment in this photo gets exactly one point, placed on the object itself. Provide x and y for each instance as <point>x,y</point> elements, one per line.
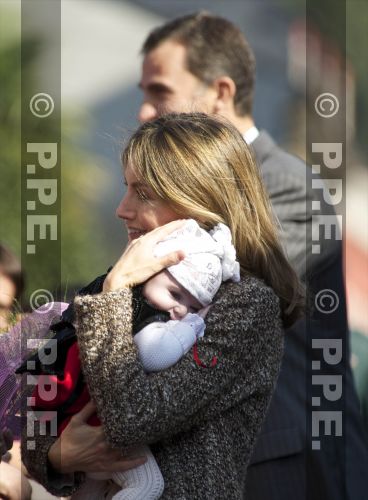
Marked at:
<point>51,391</point>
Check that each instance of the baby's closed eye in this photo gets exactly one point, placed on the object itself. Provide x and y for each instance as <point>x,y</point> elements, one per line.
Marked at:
<point>176,296</point>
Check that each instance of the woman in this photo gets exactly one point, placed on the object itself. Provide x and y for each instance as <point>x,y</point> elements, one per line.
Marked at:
<point>11,288</point>
<point>201,416</point>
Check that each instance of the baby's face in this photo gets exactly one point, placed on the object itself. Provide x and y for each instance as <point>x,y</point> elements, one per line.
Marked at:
<point>166,294</point>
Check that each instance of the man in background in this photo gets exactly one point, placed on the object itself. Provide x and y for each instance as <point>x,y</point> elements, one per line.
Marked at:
<point>203,63</point>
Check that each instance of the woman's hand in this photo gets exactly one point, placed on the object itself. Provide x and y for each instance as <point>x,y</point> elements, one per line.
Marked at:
<point>82,447</point>
<point>138,263</point>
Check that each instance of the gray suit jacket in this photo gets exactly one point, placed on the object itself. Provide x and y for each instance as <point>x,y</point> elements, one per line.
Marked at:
<point>284,465</point>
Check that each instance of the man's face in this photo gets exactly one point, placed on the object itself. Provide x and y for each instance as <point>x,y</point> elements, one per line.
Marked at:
<point>168,86</point>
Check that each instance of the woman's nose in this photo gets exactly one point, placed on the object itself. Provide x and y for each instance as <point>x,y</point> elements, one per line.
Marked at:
<point>125,209</point>
<point>147,112</point>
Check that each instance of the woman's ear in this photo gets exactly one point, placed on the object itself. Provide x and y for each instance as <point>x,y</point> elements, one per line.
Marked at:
<point>225,89</point>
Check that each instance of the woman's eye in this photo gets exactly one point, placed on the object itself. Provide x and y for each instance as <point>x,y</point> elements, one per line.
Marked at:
<point>142,195</point>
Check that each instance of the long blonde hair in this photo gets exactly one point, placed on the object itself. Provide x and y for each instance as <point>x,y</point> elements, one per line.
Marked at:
<point>202,167</point>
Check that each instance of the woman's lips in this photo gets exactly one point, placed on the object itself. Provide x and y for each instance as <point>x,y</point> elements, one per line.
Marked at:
<point>134,233</point>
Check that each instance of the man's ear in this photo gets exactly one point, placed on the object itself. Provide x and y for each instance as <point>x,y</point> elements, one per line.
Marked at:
<point>225,90</point>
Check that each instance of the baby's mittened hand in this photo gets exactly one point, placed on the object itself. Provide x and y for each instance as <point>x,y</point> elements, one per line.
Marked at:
<point>196,322</point>
<point>204,311</point>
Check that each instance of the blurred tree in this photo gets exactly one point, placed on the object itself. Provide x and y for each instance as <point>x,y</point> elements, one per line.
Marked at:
<point>345,23</point>
<point>84,253</point>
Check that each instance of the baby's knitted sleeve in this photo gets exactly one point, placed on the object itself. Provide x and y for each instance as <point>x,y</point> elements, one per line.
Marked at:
<point>161,345</point>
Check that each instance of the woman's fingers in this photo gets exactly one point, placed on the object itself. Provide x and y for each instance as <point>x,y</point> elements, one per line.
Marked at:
<point>112,460</point>
<point>123,464</point>
<point>138,263</point>
<point>163,231</point>
<point>170,259</point>
<point>86,412</point>
<point>84,447</point>
<point>79,446</point>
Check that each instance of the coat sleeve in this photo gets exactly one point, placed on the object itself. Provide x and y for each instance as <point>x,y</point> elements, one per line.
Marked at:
<point>136,407</point>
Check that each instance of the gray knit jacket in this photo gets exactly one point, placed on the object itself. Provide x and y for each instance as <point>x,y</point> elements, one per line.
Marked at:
<point>201,416</point>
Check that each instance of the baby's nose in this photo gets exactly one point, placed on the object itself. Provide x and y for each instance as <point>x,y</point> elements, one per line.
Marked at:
<point>179,311</point>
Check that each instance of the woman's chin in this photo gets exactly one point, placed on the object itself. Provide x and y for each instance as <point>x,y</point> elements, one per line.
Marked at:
<point>135,236</point>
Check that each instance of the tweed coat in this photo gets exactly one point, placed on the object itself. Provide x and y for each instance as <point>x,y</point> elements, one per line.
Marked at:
<point>201,416</point>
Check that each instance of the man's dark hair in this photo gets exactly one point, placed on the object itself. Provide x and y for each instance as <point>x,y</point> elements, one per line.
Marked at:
<point>215,47</point>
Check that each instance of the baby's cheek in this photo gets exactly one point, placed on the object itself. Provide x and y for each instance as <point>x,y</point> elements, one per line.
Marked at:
<point>168,303</point>
<point>162,301</point>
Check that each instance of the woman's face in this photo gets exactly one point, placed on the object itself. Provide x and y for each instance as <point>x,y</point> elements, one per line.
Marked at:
<point>141,209</point>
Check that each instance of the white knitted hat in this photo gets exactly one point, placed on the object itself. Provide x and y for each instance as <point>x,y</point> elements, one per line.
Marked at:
<point>210,259</point>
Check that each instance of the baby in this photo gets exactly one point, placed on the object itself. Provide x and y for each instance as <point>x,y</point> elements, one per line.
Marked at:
<point>182,292</point>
